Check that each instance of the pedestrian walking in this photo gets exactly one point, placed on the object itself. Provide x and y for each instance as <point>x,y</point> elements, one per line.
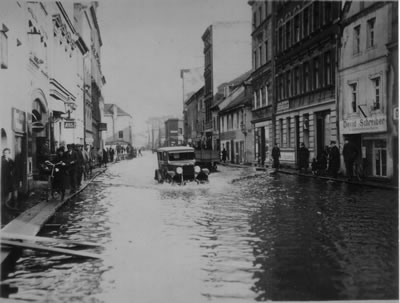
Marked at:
<point>334,160</point>
<point>350,153</point>
<point>105,158</point>
<point>61,174</point>
<point>140,152</point>
<point>304,156</point>
<point>72,160</point>
<point>8,180</point>
<point>86,159</point>
<point>322,162</point>
<point>276,154</point>
<point>224,155</point>
<point>93,159</point>
<point>314,167</point>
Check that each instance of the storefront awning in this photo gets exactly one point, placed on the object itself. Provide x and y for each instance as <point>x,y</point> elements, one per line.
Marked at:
<point>57,105</point>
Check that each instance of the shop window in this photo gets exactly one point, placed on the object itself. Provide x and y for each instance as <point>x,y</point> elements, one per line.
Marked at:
<point>356,39</point>
<point>380,158</point>
<point>281,131</point>
<point>371,32</point>
<point>288,130</point>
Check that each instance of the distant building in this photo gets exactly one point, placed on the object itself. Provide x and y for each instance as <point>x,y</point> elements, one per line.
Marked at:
<point>173,132</point>
<point>235,125</point>
<point>195,119</point>
<point>227,52</point>
<point>119,125</point>
<point>368,84</point>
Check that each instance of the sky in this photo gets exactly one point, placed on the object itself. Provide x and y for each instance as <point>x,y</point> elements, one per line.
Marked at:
<point>147,42</point>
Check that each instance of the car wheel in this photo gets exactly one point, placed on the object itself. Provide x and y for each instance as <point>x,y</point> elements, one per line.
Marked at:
<point>159,177</point>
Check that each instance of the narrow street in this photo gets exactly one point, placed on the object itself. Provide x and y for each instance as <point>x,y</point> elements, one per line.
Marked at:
<point>239,238</point>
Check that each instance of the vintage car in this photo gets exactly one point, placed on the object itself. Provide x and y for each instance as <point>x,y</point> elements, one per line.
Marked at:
<point>176,164</point>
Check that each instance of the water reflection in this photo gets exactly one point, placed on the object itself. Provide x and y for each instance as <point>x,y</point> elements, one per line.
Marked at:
<point>257,238</point>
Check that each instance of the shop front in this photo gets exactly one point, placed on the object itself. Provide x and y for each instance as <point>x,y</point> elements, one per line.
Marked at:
<point>374,143</point>
<point>262,142</point>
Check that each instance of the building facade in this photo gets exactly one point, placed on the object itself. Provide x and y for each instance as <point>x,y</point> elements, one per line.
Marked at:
<point>41,53</point>
<point>305,76</point>
<point>173,132</point>
<point>227,49</point>
<point>367,88</point>
<point>262,79</point>
<point>235,126</point>
<point>119,126</point>
<point>194,131</point>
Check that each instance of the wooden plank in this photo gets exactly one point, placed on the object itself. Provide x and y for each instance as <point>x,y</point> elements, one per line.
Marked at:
<point>12,236</point>
<point>50,249</point>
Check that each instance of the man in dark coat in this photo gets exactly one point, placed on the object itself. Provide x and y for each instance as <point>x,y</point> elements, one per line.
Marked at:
<point>79,164</point>
<point>8,179</point>
<point>224,153</point>
<point>350,153</point>
<point>61,175</point>
<point>334,160</point>
<point>304,156</point>
<point>72,160</point>
<point>276,154</point>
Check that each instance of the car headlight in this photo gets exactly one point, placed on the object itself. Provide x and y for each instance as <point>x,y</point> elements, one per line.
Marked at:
<point>179,170</point>
<point>197,169</point>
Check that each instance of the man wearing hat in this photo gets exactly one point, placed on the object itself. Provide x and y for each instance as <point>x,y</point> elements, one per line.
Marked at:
<point>72,159</point>
<point>334,160</point>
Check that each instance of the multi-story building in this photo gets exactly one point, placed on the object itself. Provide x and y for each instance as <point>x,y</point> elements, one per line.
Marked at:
<point>173,132</point>
<point>227,49</point>
<point>235,125</point>
<point>194,131</point>
<point>305,76</point>
<point>119,125</point>
<point>367,88</point>
<point>262,77</point>
<point>41,53</point>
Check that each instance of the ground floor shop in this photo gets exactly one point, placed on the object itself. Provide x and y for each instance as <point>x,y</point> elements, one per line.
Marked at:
<point>315,126</point>
<point>263,142</point>
<point>377,147</point>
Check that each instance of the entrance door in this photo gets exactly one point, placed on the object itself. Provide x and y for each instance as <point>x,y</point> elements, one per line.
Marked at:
<point>262,145</point>
<point>380,158</point>
<point>323,130</point>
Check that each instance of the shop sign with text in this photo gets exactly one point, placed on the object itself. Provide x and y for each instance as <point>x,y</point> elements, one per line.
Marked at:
<point>69,124</point>
<point>374,124</point>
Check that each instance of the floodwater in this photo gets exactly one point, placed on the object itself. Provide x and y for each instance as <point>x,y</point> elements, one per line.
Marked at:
<point>240,238</point>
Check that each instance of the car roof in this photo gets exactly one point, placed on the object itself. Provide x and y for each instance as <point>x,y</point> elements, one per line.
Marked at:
<point>176,149</point>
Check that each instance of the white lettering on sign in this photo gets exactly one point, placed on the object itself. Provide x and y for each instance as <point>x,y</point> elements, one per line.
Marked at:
<point>376,123</point>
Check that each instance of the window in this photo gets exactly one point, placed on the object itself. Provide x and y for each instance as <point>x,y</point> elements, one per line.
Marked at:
<point>296,81</point>
<point>328,69</point>
<point>328,11</point>
<point>259,99</point>
<point>121,134</point>
<point>296,28</point>
<point>353,88</point>
<point>280,91</point>
<point>255,100</point>
<point>264,100</point>
<point>254,20</point>
<point>316,15</point>
<point>316,73</point>
<point>254,59</point>
<point>260,14</point>
<point>260,54</point>
<point>288,139</point>
<point>288,36</point>
<point>3,49</point>
<point>356,41</point>
<point>266,9</point>
<point>306,21</point>
<point>266,50</point>
<point>306,77</point>
<point>289,85</point>
<point>266,95</point>
<point>280,39</point>
<point>377,92</point>
<point>371,32</point>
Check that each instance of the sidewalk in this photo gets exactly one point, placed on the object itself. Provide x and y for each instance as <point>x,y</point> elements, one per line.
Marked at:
<point>340,178</point>
<point>35,197</point>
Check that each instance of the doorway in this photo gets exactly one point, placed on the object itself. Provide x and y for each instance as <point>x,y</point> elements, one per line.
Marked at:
<point>323,130</point>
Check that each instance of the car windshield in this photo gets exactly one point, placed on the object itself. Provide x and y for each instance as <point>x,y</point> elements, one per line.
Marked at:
<point>181,156</point>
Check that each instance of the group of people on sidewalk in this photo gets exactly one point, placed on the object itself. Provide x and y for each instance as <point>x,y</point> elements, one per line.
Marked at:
<point>327,162</point>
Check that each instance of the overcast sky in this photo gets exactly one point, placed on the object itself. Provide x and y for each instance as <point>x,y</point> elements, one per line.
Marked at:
<point>147,42</point>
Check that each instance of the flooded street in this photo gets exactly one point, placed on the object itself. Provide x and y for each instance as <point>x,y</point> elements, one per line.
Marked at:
<point>240,238</point>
